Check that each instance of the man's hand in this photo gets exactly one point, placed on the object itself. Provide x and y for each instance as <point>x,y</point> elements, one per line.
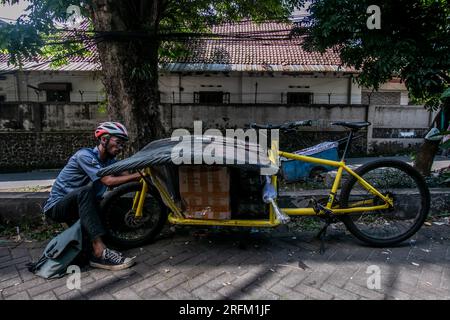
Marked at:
<point>112,181</point>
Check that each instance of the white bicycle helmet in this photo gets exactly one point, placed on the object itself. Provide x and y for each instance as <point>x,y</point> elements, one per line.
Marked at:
<point>112,128</point>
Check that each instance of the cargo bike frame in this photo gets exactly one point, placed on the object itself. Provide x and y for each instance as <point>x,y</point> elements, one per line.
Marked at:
<point>378,202</point>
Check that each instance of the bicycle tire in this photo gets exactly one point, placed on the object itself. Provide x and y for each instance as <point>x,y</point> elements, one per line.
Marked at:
<point>113,212</point>
<point>355,227</point>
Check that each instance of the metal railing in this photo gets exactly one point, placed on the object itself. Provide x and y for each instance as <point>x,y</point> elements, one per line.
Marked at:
<point>258,98</point>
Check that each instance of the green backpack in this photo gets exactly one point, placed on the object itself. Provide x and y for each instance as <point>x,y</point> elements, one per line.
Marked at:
<point>59,253</point>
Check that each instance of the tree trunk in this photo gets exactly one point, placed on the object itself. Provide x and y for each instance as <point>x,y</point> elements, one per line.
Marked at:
<point>130,65</point>
<point>429,149</point>
<point>425,157</point>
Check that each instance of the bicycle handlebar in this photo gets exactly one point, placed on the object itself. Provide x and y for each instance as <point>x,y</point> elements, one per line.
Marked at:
<point>283,126</point>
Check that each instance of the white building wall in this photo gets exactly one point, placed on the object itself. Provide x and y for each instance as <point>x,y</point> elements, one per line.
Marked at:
<point>385,116</point>
<point>356,93</point>
<point>242,87</point>
<point>169,86</point>
<point>404,99</point>
<point>270,89</point>
<point>8,88</point>
<point>87,82</point>
<point>393,86</point>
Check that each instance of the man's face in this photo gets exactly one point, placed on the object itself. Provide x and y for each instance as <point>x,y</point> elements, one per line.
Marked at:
<point>115,145</point>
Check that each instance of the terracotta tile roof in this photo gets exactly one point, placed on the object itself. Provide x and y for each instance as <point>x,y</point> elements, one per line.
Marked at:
<point>75,62</point>
<point>42,64</point>
<point>244,46</point>
<point>248,46</point>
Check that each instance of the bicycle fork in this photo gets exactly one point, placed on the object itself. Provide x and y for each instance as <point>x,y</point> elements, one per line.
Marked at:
<point>138,201</point>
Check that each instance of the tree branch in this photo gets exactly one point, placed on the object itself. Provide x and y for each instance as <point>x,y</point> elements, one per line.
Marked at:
<point>445,77</point>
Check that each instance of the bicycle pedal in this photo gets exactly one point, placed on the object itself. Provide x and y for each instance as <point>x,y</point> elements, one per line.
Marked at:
<point>325,210</point>
<point>315,205</point>
<point>319,207</point>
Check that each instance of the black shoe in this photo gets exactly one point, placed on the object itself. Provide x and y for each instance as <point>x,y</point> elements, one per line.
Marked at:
<point>111,260</point>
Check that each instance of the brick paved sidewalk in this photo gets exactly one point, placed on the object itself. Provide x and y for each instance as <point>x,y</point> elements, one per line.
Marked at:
<point>271,265</point>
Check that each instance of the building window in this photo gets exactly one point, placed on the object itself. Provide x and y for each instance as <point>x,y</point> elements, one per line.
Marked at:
<point>381,98</point>
<point>299,98</point>
<point>56,92</point>
<point>57,96</point>
<point>2,98</point>
<point>211,97</point>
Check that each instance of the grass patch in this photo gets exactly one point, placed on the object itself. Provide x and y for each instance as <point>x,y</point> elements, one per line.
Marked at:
<point>31,189</point>
<point>30,231</point>
<point>305,224</point>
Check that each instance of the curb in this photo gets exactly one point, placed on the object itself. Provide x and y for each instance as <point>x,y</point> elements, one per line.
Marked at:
<point>20,207</point>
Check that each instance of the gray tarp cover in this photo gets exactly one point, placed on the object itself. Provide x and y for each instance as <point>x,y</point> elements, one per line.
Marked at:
<point>226,151</point>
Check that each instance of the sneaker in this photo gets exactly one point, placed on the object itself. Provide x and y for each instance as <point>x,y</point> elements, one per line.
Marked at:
<point>116,252</point>
<point>111,260</point>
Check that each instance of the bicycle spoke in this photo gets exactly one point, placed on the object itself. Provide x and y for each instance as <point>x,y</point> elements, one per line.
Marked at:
<point>392,222</point>
<point>123,223</point>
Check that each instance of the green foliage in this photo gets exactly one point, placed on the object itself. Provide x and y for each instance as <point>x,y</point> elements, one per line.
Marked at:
<point>37,230</point>
<point>439,179</point>
<point>39,33</point>
<point>60,51</point>
<point>172,50</point>
<point>446,144</point>
<point>26,39</point>
<point>102,106</point>
<point>413,42</point>
<point>301,224</point>
<point>446,94</point>
<point>145,71</point>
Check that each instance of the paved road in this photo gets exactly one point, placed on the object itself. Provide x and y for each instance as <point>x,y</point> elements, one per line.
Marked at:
<point>275,265</point>
<point>44,178</point>
<point>27,179</point>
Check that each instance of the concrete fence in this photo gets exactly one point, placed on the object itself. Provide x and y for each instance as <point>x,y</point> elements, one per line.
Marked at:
<point>238,115</point>
<point>394,128</point>
<point>44,135</point>
<point>47,117</point>
<point>397,127</point>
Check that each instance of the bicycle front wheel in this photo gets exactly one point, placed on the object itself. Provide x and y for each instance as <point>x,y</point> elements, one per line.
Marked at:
<point>386,227</point>
<point>124,230</point>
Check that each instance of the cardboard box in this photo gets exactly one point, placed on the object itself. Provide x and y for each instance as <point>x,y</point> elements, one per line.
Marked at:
<point>205,191</point>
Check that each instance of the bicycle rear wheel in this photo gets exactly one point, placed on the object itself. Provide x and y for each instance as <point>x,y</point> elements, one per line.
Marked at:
<point>390,226</point>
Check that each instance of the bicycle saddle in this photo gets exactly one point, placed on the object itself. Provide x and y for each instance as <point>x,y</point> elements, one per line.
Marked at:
<point>352,125</point>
